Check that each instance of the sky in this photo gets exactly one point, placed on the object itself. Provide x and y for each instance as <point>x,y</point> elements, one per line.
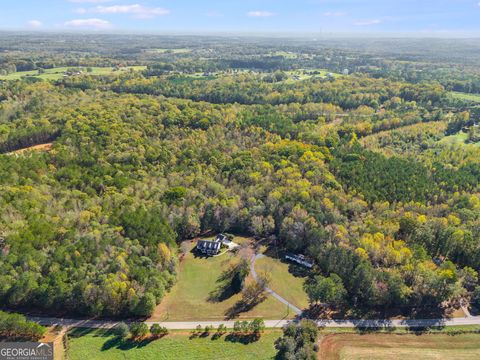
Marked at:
<point>448,17</point>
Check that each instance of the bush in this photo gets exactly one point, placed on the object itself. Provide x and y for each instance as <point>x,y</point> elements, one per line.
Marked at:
<point>139,330</point>
<point>16,325</point>
<point>208,329</point>
<point>121,330</point>
<point>257,327</point>
<point>158,331</point>
<point>222,329</point>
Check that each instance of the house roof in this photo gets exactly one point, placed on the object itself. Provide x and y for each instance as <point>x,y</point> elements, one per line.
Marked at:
<point>208,244</point>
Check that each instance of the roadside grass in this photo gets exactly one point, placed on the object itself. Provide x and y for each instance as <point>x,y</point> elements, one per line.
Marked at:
<point>448,330</point>
<point>466,96</point>
<point>57,73</point>
<point>101,344</point>
<point>335,343</point>
<point>189,299</point>
<point>283,280</point>
<point>387,346</point>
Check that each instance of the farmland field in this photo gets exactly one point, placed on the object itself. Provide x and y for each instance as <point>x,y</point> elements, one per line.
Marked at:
<point>189,298</point>
<point>100,344</point>
<point>385,346</point>
<point>466,96</point>
<point>57,73</point>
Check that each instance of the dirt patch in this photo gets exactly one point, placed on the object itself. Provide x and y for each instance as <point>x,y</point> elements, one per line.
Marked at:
<point>55,335</point>
<point>39,148</point>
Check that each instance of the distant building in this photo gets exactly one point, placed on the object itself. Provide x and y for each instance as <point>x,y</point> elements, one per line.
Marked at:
<point>299,259</point>
<point>346,72</point>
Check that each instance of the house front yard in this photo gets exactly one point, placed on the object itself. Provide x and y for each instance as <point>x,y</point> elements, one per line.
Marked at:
<point>190,298</point>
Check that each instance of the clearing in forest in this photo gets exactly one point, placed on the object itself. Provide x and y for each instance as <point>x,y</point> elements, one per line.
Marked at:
<point>190,299</point>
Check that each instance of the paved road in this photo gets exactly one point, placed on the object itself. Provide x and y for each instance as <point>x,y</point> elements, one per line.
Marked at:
<point>380,323</point>
<point>270,291</point>
<point>106,324</point>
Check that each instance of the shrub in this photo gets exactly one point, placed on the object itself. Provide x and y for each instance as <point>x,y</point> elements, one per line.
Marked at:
<point>121,330</point>
<point>222,329</point>
<point>16,325</point>
<point>257,327</point>
<point>139,330</point>
<point>158,331</point>
<point>208,329</point>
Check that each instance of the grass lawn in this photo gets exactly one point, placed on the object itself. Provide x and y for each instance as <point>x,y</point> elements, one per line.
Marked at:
<point>385,346</point>
<point>87,344</point>
<point>57,73</point>
<point>465,96</point>
<point>283,281</point>
<point>189,298</point>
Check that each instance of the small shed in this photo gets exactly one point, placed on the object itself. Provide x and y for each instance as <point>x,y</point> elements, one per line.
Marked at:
<point>300,259</point>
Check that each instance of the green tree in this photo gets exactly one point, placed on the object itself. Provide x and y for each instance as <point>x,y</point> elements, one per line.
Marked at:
<point>329,290</point>
<point>122,330</point>
<point>139,330</point>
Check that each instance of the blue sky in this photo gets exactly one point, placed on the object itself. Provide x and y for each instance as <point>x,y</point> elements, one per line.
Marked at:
<point>191,16</point>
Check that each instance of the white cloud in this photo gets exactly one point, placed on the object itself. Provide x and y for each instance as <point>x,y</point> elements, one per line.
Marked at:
<point>35,23</point>
<point>89,1</point>
<point>334,13</point>
<point>139,11</point>
<point>367,22</point>
<point>93,24</point>
<point>260,13</point>
<point>80,11</point>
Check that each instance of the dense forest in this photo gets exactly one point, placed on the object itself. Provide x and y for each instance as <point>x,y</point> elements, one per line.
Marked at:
<point>359,171</point>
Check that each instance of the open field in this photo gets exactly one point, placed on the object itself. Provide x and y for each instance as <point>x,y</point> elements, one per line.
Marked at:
<point>465,96</point>
<point>283,281</point>
<point>100,344</point>
<point>459,138</point>
<point>309,74</point>
<point>57,73</point>
<point>169,51</point>
<point>386,346</point>
<point>189,299</point>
